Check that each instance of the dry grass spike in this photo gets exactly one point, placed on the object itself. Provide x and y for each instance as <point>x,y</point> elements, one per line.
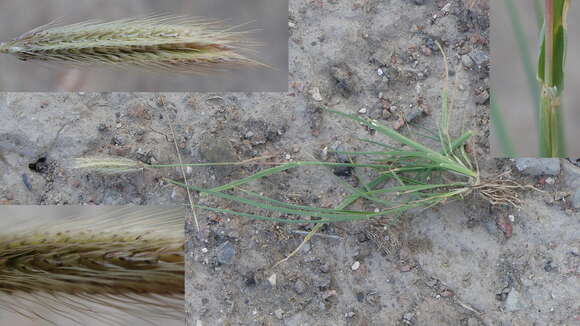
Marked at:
<point>107,164</point>
<point>129,262</point>
<point>167,43</point>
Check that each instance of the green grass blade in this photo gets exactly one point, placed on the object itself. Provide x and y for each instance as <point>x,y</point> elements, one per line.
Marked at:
<point>284,210</point>
<point>287,166</point>
<point>444,161</point>
<point>295,206</point>
<point>372,184</point>
<point>370,141</point>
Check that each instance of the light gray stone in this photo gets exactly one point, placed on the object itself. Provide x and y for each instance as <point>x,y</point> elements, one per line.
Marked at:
<point>226,253</point>
<point>571,175</point>
<point>538,166</point>
<point>575,200</point>
<point>513,301</point>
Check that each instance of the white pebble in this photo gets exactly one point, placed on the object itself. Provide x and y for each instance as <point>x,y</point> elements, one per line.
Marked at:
<point>355,266</point>
<point>315,93</point>
<point>272,280</point>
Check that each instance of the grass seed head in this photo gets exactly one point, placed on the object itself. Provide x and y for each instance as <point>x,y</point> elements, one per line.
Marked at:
<point>166,43</point>
<point>107,164</point>
<point>132,264</point>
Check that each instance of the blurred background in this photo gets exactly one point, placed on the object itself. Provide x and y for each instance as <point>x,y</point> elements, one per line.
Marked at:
<point>13,218</point>
<point>268,19</point>
<point>509,83</point>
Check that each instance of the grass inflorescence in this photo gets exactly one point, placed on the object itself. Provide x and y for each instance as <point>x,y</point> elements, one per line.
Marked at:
<point>167,43</point>
<point>132,264</point>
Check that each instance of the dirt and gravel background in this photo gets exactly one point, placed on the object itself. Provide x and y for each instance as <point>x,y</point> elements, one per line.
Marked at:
<point>265,19</point>
<point>462,264</point>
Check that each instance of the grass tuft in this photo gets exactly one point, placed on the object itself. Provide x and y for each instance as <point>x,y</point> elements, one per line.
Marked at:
<point>410,175</point>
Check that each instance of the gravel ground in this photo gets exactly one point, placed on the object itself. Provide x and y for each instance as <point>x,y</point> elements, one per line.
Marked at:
<point>462,264</point>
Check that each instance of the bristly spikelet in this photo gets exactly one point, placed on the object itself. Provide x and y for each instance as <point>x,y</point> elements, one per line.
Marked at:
<point>133,264</point>
<point>167,43</point>
<point>107,164</point>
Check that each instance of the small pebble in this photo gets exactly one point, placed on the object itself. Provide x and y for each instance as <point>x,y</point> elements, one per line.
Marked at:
<point>279,313</point>
<point>576,199</point>
<point>272,280</point>
<point>355,266</point>
<point>447,293</point>
<point>315,93</point>
<point>538,166</point>
<point>226,253</point>
<point>406,268</point>
<point>467,61</point>
<point>472,322</point>
<point>299,286</point>
<point>513,301</point>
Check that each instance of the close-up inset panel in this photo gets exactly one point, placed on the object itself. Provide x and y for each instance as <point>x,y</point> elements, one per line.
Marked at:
<point>144,45</point>
<point>535,78</point>
<point>87,265</point>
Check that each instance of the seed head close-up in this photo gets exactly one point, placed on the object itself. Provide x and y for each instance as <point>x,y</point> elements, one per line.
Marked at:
<point>169,43</point>
<point>128,261</point>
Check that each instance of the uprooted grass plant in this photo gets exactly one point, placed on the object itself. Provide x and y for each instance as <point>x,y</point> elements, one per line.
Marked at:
<point>410,175</point>
<point>129,263</point>
<point>169,43</point>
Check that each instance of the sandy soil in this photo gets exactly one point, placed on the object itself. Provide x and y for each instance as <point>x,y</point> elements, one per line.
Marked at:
<point>451,265</point>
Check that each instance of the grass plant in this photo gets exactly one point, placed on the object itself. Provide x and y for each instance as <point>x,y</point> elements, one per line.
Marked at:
<point>168,43</point>
<point>410,175</point>
<point>131,262</point>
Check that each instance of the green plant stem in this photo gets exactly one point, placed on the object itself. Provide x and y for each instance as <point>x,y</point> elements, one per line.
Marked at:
<point>551,76</point>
